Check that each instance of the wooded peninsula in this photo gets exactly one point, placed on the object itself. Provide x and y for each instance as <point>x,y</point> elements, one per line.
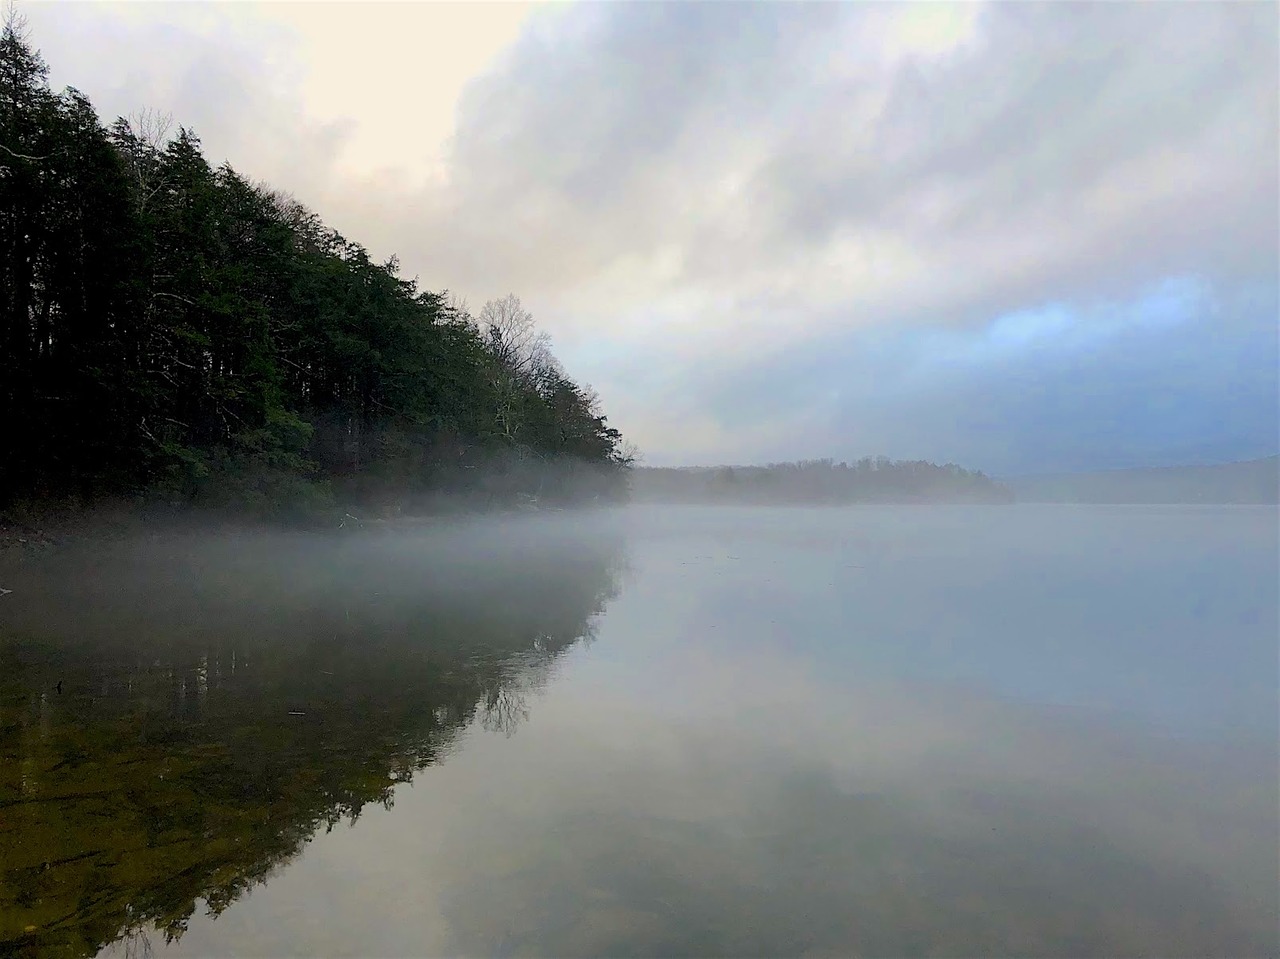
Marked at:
<point>824,481</point>
<point>173,331</point>
<point>175,335</point>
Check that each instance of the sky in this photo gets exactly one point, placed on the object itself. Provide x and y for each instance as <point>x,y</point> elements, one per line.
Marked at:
<point>1023,237</point>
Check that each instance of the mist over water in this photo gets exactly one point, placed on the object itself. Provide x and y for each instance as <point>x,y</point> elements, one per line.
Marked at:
<point>716,432</point>
<point>651,731</point>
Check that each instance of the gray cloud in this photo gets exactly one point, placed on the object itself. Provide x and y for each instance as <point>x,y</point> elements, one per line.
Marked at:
<point>1190,379</point>
<point>223,82</point>
<point>1063,147</point>
<point>683,192</point>
<point>1101,142</point>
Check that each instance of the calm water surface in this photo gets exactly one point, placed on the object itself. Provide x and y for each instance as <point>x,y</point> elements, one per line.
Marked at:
<point>873,731</point>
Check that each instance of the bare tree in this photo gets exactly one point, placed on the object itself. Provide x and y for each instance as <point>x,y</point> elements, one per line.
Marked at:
<point>628,454</point>
<point>518,345</point>
<point>524,360</point>
<point>456,306</point>
<point>147,132</point>
<point>15,21</point>
<point>590,399</point>
<point>151,127</point>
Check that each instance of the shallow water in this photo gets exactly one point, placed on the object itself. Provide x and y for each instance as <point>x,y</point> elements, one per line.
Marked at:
<point>880,731</point>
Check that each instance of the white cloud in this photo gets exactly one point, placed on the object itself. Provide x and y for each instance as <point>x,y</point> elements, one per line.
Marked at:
<point>699,184</point>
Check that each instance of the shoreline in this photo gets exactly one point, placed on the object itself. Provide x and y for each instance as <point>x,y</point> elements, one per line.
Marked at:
<point>27,532</point>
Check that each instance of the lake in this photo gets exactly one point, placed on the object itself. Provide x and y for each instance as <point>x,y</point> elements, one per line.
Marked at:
<point>1027,730</point>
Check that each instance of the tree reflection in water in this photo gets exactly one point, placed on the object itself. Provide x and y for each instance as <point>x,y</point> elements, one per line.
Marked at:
<point>225,698</point>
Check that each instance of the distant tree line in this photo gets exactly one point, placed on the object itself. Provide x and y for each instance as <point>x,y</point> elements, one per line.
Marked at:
<point>878,480</point>
<point>169,327</point>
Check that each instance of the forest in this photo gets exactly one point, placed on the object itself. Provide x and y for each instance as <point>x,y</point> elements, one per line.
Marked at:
<point>869,480</point>
<point>172,332</point>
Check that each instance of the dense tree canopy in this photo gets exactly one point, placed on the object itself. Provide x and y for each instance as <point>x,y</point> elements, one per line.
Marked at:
<point>169,326</point>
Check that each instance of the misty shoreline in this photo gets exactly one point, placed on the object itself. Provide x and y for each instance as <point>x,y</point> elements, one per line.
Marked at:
<point>28,534</point>
<point>32,530</point>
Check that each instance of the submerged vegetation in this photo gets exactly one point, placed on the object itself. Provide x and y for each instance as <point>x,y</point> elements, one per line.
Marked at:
<point>170,328</point>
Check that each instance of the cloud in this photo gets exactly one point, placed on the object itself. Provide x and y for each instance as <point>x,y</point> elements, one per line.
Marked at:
<point>1177,374</point>
<point>753,149</point>
<point>684,193</point>
<point>236,82</point>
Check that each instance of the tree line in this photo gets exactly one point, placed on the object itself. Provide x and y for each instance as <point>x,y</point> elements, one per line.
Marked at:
<point>874,480</point>
<point>171,328</point>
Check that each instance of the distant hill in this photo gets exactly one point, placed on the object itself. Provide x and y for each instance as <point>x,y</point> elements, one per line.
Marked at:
<point>814,482</point>
<point>1252,481</point>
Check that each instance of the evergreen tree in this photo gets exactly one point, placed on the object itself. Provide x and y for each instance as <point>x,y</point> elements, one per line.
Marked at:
<point>168,327</point>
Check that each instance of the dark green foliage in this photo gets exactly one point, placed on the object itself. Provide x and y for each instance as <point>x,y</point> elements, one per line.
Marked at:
<point>168,328</point>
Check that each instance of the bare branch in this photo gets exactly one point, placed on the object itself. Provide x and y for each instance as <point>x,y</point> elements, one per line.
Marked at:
<point>24,156</point>
<point>514,340</point>
<point>173,296</point>
<point>14,21</point>
<point>151,127</point>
